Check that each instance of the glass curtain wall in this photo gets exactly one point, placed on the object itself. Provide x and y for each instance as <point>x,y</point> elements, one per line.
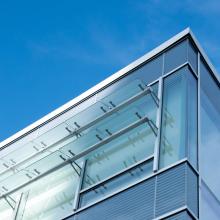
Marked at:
<point>179,118</point>
<point>113,132</point>
<point>210,148</point>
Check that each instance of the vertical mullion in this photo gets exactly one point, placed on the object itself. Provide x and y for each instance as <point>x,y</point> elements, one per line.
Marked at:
<point>79,187</point>
<point>199,130</point>
<point>158,124</point>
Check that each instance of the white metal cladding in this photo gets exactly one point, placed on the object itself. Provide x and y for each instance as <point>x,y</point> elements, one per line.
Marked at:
<point>107,82</point>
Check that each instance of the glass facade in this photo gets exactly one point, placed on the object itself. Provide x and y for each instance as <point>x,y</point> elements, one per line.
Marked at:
<point>134,149</point>
<point>210,139</point>
<point>179,137</point>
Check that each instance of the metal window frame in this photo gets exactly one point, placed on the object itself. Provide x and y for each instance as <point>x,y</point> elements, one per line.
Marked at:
<point>156,154</point>
<point>158,124</point>
<point>199,133</point>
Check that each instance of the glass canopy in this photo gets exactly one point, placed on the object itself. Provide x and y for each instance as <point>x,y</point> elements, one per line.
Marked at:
<point>72,141</point>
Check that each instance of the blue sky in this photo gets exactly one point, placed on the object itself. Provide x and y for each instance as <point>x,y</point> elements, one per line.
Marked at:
<point>51,51</point>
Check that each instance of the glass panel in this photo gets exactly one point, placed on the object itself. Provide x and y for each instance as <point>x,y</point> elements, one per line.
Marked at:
<point>179,118</point>
<point>6,212</point>
<point>119,154</point>
<point>146,73</point>
<point>22,150</point>
<point>33,151</point>
<point>192,56</point>
<point>175,56</point>
<point>210,131</point>
<point>117,183</point>
<point>127,149</point>
<point>92,136</point>
<point>52,197</point>
<point>210,205</point>
<point>48,157</point>
<point>192,120</point>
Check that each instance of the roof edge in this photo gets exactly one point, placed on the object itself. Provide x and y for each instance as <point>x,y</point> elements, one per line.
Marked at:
<point>106,82</point>
<point>206,58</point>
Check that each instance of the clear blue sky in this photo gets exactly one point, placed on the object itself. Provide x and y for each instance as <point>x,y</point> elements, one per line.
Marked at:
<point>51,51</point>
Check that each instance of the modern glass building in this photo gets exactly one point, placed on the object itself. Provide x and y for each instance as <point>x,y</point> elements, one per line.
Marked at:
<point>142,145</point>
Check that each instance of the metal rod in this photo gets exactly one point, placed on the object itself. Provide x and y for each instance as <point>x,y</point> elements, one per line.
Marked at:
<point>77,196</point>
<point>83,153</point>
<point>9,203</point>
<point>158,125</point>
<point>146,91</point>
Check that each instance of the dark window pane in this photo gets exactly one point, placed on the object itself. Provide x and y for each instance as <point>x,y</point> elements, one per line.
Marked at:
<point>192,56</point>
<point>210,131</point>
<point>176,56</point>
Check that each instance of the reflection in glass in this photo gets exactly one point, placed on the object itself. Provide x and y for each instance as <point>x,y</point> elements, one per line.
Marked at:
<point>179,54</point>
<point>91,136</point>
<point>118,155</point>
<point>51,198</point>
<point>192,56</point>
<point>179,118</point>
<point>127,149</point>
<point>210,205</point>
<point>210,131</point>
<point>175,56</point>
<point>6,212</point>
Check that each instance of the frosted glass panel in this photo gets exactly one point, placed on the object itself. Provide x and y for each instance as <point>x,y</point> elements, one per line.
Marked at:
<point>6,212</point>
